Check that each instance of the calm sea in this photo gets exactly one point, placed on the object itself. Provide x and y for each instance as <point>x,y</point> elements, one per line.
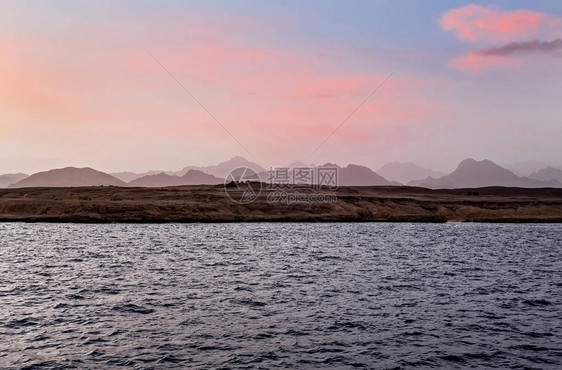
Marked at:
<point>280,295</point>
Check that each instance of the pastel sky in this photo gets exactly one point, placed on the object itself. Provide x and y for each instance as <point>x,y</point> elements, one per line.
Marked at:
<point>78,88</point>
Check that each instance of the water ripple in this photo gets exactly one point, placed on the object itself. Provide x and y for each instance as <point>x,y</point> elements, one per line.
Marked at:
<point>280,296</point>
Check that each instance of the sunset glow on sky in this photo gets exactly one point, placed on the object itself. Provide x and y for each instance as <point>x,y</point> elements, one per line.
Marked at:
<point>79,88</point>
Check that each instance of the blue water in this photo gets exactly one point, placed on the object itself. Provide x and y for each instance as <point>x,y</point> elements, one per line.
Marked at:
<point>280,295</point>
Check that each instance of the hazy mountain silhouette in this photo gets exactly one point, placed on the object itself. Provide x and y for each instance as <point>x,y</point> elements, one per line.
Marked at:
<point>405,172</point>
<point>223,169</point>
<point>301,164</point>
<point>265,176</point>
<point>433,183</point>
<point>192,177</point>
<point>128,176</point>
<point>471,173</point>
<point>196,177</point>
<point>351,175</point>
<point>356,175</point>
<point>548,173</point>
<point>11,178</point>
<point>242,174</point>
<point>526,168</point>
<point>68,177</point>
<point>156,181</point>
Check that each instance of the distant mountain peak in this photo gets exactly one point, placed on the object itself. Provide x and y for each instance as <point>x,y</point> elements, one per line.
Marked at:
<point>467,162</point>
<point>328,164</point>
<point>471,173</point>
<point>359,175</point>
<point>237,159</point>
<point>191,177</point>
<point>485,164</point>
<point>194,171</point>
<point>548,173</point>
<point>406,172</point>
<point>222,169</point>
<point>358,166</point>
<point>299,164</point>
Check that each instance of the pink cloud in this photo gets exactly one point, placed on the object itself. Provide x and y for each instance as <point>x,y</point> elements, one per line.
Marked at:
<point>478,63</point>
<point>488,25</point>
<point>476,23</point>
<point>273,100</point>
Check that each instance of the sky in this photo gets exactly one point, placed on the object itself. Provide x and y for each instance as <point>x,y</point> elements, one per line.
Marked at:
<point>449,80</point>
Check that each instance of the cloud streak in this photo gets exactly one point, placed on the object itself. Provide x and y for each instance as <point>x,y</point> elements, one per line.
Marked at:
<point>529,47</point>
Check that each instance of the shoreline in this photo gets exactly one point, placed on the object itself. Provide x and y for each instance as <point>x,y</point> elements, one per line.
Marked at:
<point>546,221</point>
<point>210,204</point>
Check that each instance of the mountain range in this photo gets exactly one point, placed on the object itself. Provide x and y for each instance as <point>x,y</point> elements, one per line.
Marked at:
<point>356,175</point>
<point>469,173</point>
<point>223,169</point>
<point>404,172</point>
<point>191,177</point>
<point>473,174</point>
<point>220,170</point>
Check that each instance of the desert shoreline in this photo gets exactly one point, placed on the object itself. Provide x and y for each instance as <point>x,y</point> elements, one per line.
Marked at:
<point>210,204</point>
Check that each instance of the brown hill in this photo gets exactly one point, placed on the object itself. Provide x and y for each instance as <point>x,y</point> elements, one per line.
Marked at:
<point>210,203</point>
